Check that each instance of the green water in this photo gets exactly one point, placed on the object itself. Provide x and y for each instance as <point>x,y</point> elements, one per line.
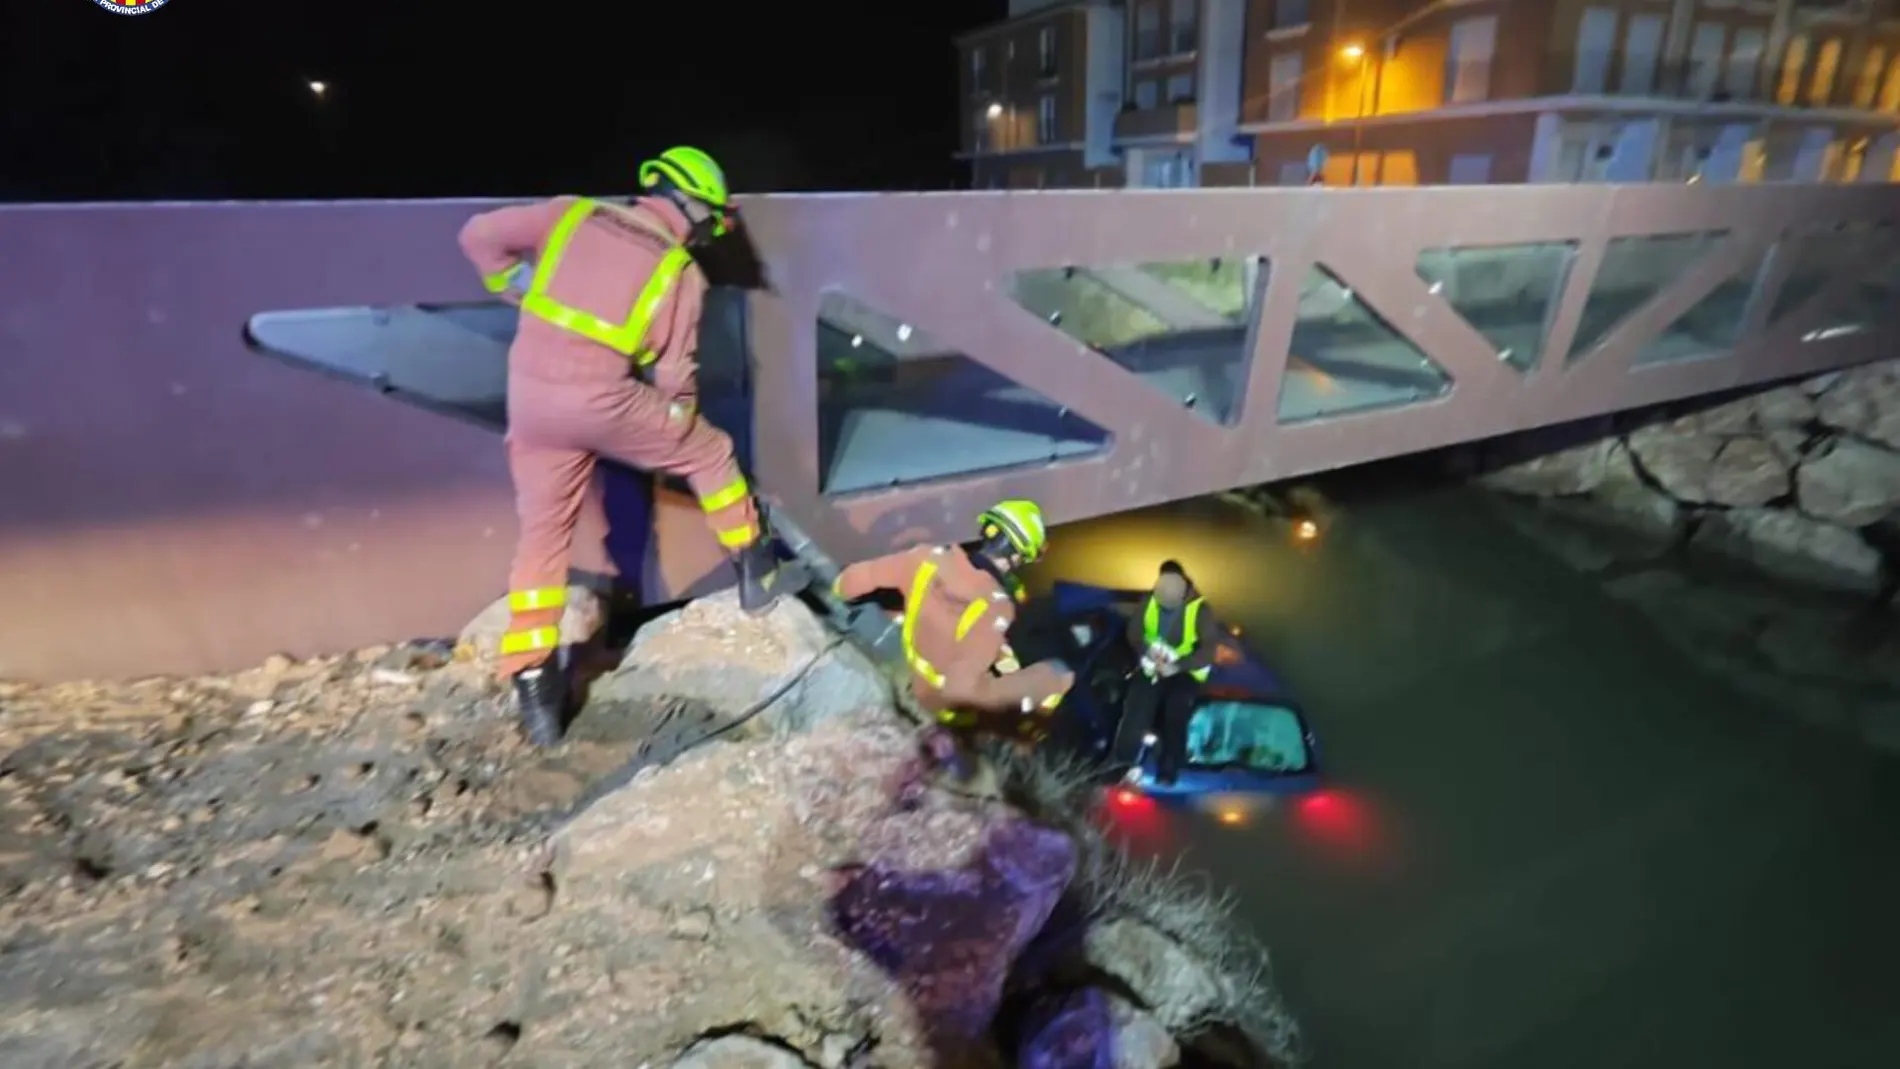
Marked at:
<point>1549,840</point>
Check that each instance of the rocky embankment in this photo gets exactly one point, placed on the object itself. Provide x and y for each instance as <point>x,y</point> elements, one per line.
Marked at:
<point>1800,484</point>
<point>352,861</point>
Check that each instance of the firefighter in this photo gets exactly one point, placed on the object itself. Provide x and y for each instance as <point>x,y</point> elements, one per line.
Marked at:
<point>959,604</point>
<point>604,364</point>
<point>1166,635</point>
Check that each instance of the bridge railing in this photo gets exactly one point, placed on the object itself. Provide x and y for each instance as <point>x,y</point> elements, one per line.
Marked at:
<point>178,493</point>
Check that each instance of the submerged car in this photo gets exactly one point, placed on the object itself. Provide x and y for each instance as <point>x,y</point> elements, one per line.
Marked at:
<point>1247,735</point>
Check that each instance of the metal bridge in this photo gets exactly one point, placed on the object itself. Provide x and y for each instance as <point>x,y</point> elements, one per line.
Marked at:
<point>178,493</point>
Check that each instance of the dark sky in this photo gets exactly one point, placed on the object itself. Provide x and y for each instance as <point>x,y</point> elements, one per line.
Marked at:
<point>209,98</point>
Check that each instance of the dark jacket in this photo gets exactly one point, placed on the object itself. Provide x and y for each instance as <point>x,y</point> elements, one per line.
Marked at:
<point>1207,628</point>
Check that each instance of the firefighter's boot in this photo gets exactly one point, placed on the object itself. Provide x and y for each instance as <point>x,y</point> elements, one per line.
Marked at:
<point>541,702</point>
<point>764,578</point>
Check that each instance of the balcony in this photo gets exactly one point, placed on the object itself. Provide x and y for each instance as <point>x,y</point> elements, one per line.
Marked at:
<point>1167,120</point>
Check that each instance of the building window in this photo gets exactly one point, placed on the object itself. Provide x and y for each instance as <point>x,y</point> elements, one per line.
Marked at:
<point>1468,62</point>
<point>1793,63</point>
<point>1283,88</point>
<point>1148,30</point>
<point>1642,47</point>
<point>1288,13</point>
<point>1827,67</point>
<point>1181,88</point>
<point>1744,63</point>
<point>977,60</point>
<point>1890,93</point>
<point>1146,95</point>
<point>1705,60</point>
<point>1596,40</point>
<point>1470,169</point>
<point>1868,86</point>
<point>980,131</point>
<point>1046,52</point>
<point>1046,119</point>
<point>1181,25</point>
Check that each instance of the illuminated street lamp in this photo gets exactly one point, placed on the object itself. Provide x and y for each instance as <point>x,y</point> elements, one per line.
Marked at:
<point>994,111</point>
<point>1353,52</point>
<point>317,89</point>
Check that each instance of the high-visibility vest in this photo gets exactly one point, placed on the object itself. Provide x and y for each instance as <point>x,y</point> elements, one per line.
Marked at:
<point>627,338</point>
<point>1190,632</point>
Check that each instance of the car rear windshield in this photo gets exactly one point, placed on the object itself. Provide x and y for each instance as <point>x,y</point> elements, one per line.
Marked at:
<point>1247,735</point>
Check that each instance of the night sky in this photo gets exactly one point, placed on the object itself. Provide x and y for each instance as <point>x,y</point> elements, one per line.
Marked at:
<point>210,98</point>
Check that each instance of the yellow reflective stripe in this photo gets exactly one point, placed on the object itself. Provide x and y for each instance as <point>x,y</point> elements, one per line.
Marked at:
<point>547,597</point>
<point>539,638</point>
<point>499,281</point>
<point>919,586</point>
<point>629,338</point>
<point>738,537</point>
<point>726,496</point>
<point>971,615</point>
<point>1052,701</point>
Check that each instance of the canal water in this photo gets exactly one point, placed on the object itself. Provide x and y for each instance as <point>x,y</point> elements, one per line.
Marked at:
<point>1547,839</point>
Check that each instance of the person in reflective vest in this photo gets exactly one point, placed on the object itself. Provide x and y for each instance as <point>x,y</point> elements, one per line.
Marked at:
<point>604,364</point>
<point>1167,636</point>
<point>959,604</point>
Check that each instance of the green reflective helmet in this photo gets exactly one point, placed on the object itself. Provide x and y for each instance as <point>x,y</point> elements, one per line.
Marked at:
<point>693,174</point>
<point>1020,522</point>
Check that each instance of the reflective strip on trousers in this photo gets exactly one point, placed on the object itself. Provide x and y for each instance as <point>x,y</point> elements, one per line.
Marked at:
<point>547,597</point>
<point>920,585</point>
<point>538,638</point>
<point>628,338</point>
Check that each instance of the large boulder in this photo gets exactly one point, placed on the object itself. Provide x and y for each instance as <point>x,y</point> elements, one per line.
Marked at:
<point>1576,470</point>
<point>1698,467</point>
<point>778,888</point>
<point>1795,547</point>
<point>1095,1029</point>
<point>1849,483</point>
<point>1864,402</point>
<point>784,668</point>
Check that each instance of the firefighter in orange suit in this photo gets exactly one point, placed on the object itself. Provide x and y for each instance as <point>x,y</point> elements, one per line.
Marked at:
<point>604,364</point>
<point>958,610</point>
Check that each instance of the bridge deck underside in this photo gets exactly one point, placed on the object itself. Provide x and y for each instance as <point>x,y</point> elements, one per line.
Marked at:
<point>893,362</point>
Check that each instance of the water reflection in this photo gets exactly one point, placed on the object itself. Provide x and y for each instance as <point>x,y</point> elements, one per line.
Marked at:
<point>1548,838</point>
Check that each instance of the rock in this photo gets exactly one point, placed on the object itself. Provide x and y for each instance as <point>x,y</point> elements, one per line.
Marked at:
<point>1181,991</point>
<point>1627,495</point>
<point>1850,483</point>
<point>1784,406</point>
<point>1092,1029</point>
<point>1700,468</point>
<point>1576,470</point>
<point>1794,547</point>
<point>582,617</point>
<point>711,654</point>
<point>904,941</point>
<point>1864,402</point>
<point>739,1052</point>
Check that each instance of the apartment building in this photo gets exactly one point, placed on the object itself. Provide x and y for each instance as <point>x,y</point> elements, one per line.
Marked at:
<point>1040,91</point>
<point>1220,92</point>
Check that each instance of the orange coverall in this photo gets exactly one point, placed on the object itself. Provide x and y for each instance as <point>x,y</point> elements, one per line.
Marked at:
<point>956,619</point>
<point>571,400</point>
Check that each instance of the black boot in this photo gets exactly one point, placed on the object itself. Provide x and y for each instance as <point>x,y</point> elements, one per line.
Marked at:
<point>541,700</point>
<point>761,578</point>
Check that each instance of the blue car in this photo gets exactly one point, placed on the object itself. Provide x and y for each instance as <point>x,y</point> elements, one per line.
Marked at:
<point>1247,735</point>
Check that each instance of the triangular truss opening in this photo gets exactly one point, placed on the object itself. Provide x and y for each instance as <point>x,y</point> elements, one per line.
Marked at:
<point>896,408</point>
<point>1345,357</point>
<point>1185,328</point>
<point>1507,293</point>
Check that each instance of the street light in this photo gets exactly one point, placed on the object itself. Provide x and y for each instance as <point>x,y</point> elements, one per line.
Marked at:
<point>994,111</point>
<point>319,88</point>
<point>1353,52</point>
